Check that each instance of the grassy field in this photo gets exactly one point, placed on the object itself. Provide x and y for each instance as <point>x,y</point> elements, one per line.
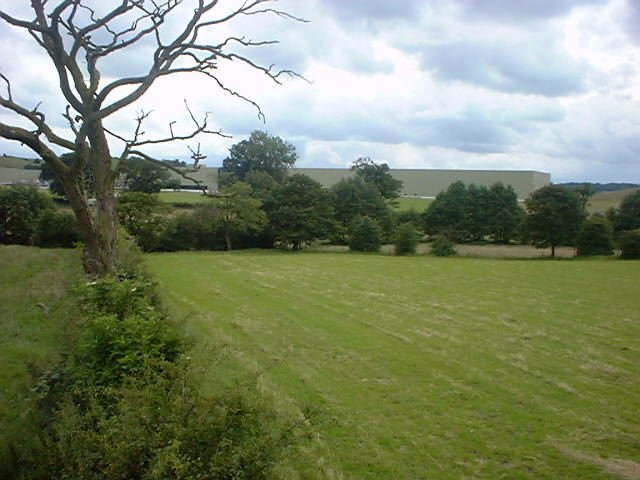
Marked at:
<point>183,197</point>
<point>34,320</point>
<point>432,368</point>
<point>602,201</point>
<point>413,203</point>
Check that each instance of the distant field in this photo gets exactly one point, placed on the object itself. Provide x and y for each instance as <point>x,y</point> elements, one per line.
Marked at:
<point>13,162</point>
<point>602,201</point>
<point>413,203</point>
<point>431,368</point>
<point>28,335</point>
<point>183,197</point>
<point>16,175</point>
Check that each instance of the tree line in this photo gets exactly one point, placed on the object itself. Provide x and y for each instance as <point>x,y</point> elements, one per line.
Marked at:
<point>261,205</point>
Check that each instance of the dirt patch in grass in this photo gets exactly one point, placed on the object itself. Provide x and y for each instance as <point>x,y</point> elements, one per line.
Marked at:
<point>626,469</point>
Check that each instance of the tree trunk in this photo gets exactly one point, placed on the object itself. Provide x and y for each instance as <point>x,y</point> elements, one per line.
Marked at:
<point>553,251</point>
<point>98,228</point>
<point>227,238</point>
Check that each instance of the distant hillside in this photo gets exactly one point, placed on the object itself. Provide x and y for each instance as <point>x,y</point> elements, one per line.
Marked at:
<point>7,161</point>
<point>602,201</point>
<point>601,187</point>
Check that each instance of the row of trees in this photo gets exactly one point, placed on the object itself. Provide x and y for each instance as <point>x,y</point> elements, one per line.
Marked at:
<point>553,216</point>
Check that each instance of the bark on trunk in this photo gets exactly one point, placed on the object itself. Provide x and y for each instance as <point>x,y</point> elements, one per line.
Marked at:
<point>227,239</point>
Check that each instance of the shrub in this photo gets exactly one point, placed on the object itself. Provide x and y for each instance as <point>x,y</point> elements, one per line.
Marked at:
<point>56,230</point>
<point>406,239</point>
<point>140,214</point>
<point>365,235</point>
<point>595,237</point>
<point>409,216</point>
<point>118,297</point>
<point>442,246</point>
<point>112,349</point>
<point>20,208</point>
<point>630,244</point>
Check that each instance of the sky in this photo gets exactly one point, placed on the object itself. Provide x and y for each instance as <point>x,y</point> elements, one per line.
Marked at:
<point>547,85</point>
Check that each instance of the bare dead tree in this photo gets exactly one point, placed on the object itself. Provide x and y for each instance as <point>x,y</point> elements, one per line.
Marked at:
<point>78,38</point>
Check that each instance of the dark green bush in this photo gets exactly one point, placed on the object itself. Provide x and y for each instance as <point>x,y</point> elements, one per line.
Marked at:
<point>595,237</point>
<point>365,235</point>
<point>119,297</point>
<point>112,349</point>
<point>123,405</point>
<point>630,244</point>
<point>159,427</point>
<point>56,230</point>
<point>442,246</point>
<point>406,239</point>
<point>20,208</point>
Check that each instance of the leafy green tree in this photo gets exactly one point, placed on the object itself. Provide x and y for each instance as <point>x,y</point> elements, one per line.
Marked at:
<point>20,210</point>
<point>365,235</point>
<point>239,212</point>
<point>595,237</point>
<point>630,244</point>
<point>554,216</point>
<point>627,215</point>
<point>447,214</point>
<point>442,246</point>
<point>299,211</point>
<point>503,215</point>
<point>143,176</point>
<point>261,183</point>
<point>378,175</point>
<point>141,214</point>
<point>261,152</point>
<point>354,197</point>
<point>409,216</point>
<point>56,229</point>
<point>406,239</point>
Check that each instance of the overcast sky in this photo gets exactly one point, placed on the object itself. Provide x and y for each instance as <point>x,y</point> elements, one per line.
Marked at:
<point>549,85</point>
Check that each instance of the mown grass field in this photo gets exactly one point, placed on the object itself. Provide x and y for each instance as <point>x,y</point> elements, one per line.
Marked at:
<point>34,321</point>
<point>413,203</point>
<point>431,368</point>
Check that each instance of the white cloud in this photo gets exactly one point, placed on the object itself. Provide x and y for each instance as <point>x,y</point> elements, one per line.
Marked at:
<point>552,85</point>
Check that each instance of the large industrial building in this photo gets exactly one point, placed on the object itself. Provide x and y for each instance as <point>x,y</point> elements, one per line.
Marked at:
<point>417,182</point>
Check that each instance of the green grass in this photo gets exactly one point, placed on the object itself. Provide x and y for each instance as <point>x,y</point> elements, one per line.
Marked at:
<point>183,197</point>
<point>413,203</point>
<point>432,368</point>
<point>28,335</point>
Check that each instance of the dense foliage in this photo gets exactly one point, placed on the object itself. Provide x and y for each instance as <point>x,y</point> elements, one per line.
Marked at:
<point>147,177</point>
<point>354,197</point>
<point>595,237</point>
<point>27,217</point>
<point>627,215</point>
<point>471,213</point>
<point>407,238</point>
<point>365,235</point>
<point>123,404</point>
<point>299,211</point>
<point>630,244</point>
<point>378,175</point>
<point>554,217</point>
<point>261,152</point>
<point>442,246</point>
